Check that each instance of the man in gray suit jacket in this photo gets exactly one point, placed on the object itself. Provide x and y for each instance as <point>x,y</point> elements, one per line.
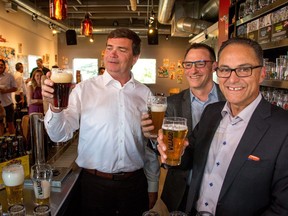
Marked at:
<point>239,149</point>
<point>199,64</point>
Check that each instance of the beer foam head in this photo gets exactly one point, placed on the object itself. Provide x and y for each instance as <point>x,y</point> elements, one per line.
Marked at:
<point>174,127</point>
<point>13,175</point>
<point>158,107</point>
<point>61,77</point>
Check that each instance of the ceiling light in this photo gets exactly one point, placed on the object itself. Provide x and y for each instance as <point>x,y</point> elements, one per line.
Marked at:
<point>58,9</point>
<point>86,26</point>
<point>91,39</point>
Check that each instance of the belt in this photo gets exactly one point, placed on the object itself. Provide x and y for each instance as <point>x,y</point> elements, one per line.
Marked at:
<point>113,176</point>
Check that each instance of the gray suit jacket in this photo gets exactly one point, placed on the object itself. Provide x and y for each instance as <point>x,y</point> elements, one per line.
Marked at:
<point>250,187</point>
<point>176,179</point>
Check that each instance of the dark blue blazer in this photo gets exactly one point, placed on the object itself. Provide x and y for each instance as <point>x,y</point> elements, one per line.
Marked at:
<point>250,187</point>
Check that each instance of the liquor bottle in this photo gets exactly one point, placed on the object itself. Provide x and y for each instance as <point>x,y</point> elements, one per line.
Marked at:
<point>9,144</point>
<point>21,147</point>
<point>3,149</point>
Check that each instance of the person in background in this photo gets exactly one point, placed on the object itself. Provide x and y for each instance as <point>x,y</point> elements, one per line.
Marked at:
<point>34,93</point>
<point>21,87</point>
<point>7,86</point>
<point>239,148</point>
<point>2,117</point>
<point>40,66</point>
<point>120,173</point>
<point>101,70</point>
<point>199,64</point>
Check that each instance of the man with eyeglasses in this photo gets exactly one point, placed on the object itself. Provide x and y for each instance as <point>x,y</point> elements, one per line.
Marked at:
<point>199,64</point>
<point>239,149</point>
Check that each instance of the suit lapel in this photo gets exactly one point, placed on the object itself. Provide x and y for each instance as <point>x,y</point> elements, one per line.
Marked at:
<point>186,110</point>
<point>255,130</point>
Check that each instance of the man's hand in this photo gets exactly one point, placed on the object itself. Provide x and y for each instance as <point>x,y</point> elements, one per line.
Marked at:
<point>147,126</point>
<point>162,147</point>
<point>48,90</point>
<point>153,196</point>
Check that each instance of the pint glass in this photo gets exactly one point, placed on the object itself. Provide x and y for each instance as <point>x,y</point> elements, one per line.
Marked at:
<point>157,106</point>
<point>13,178</point>
<point>174,133</point>
<point>62,84</point>
<point>41,175</point>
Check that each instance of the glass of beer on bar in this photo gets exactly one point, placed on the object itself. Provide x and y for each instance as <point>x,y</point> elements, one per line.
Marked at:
<point>174,133</point>
<point>62,85</point>
<point>41,175</point>
<point>13,178</point>
<point>157,106</point>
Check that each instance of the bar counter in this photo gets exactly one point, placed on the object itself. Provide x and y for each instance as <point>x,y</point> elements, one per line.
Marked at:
<point>59,195</point>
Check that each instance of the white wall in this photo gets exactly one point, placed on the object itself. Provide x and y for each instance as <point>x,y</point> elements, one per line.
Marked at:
<point>173,49</point>
<point>36,37</point>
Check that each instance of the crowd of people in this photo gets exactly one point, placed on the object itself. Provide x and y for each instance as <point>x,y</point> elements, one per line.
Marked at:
<point>235,158</point>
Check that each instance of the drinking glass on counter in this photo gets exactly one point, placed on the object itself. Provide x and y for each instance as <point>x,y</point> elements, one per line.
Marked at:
<point>62,85</point>
<point>13,178</point>
<point>42,210</point>
<point>177,213</point>
<point>157,106</point>
<point>174,133</point>
<point>41,175</point>
<point>150,213</point>
<point>17,210</point>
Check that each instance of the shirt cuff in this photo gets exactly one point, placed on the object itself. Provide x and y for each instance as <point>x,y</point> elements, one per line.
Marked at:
<point>153,186</point>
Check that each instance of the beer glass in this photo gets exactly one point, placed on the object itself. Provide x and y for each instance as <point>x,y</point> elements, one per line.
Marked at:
<point>62,84</point>
<point>177,213</point>
<point>13,178</point>
<point>17,210</point>
<point>150,213</point>
<point>41,175</point>
<point>204,213</point>
<point>42,210</point>
<point>157,106</point>
<point>174,133</point>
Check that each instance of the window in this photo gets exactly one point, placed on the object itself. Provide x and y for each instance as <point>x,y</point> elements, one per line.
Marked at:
<point>32,63</point>
<point>87,66</point>
<point>145,71</point>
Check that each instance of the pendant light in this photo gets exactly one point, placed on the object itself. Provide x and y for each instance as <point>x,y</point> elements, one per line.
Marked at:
<point>86,26</point>
<point>58,9</point>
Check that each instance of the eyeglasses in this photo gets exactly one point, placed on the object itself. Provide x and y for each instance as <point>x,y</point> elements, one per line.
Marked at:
<point>225,72</point>
<point>198,64</point>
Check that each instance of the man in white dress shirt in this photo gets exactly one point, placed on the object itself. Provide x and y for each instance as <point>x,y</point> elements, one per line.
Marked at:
<point>118,169</point>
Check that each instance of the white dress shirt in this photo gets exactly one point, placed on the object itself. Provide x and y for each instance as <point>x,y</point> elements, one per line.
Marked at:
<point>108,116</point>
<point>7,81</point>
<point>223,146</point>
<point>20,83</point>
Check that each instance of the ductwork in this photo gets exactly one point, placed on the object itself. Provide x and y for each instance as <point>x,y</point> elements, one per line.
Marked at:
<point>194,26</point>
<point>165,11</point>
<point>210,10</point>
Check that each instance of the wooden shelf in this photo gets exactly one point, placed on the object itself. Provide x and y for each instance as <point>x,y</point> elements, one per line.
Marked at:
<point>275,83</point>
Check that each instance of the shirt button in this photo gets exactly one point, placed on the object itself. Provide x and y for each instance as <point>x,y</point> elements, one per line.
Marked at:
<point>206,203</point>
<point>218,163</point>
<point>211,184</point>
<point>224,143</point>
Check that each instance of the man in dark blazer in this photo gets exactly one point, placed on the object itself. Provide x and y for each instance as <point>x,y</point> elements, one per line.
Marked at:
<point>238,150</point>
<point>199,64</point>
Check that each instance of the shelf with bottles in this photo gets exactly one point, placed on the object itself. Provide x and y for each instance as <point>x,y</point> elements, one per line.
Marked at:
<point>276,96</point>
<point>262,11</point>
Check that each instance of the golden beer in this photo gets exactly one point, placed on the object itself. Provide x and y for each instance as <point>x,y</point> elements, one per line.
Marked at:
<point>13,178</point>
<point>157,116</point>
<point>173,136</point>
<point>157,106</point>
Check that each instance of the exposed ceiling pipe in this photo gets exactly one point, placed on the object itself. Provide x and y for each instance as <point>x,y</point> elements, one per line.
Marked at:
<point>210,10</point>
<point>194,26</point>
<point>165,11</point>
<point>28,9</point>
<point>133,5</point>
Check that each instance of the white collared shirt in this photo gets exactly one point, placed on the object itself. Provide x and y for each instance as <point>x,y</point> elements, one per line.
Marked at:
<point>223,146</point>
<point>7,81</point>
<point>110,136</point>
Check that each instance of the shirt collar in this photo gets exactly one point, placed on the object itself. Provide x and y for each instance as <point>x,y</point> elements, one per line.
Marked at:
<point>109,80</point>
<point>213,93</point>
<point>246,113</point>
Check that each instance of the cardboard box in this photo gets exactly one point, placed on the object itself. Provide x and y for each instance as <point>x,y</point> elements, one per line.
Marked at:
<point>252,29</point>
<point>265,29</point>
<point>280,24</point>
<point>242,31</point>
<point>24,160</point>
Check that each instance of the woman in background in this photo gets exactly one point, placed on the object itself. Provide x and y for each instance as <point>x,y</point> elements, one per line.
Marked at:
<point>34,95</point>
